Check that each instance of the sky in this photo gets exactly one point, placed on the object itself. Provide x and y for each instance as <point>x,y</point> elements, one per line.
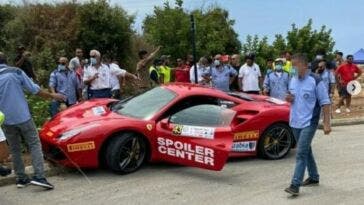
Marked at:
<point>270,17</point>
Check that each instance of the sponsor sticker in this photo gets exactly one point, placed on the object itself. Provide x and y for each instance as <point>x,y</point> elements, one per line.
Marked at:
<point>83,146</point>
<point>248,135</point>
<point>247,146</point>
<point>194,131</point>
<point>98,110</point>
<point>183,150</point>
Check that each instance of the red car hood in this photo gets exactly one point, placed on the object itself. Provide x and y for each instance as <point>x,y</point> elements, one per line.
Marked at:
<point>80,114</point>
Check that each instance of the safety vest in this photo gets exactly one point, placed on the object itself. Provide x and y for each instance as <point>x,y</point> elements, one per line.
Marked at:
<point>166,71</point>
<point>151,69</point>
<point>288,67</point>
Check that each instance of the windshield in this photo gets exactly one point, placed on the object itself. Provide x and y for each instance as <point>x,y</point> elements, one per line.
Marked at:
<point>146,105</point>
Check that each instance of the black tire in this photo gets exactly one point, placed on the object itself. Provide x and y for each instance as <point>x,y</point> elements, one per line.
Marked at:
<point>275,142</point>
<point>126,153</point>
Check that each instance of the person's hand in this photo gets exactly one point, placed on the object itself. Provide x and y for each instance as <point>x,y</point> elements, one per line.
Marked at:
<point>327,128</point>
<point>265,92</point>
<point>289,97</point>
<point>59,97</point>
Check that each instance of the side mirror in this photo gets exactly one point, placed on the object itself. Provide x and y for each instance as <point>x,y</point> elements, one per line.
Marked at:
<point>165,123</point>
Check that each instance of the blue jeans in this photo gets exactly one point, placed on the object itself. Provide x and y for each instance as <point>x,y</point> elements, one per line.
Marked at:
<point>304,155</point>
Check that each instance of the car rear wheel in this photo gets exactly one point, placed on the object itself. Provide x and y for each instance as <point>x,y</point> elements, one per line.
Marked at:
<point>275,142</point>
<point>126,153</point>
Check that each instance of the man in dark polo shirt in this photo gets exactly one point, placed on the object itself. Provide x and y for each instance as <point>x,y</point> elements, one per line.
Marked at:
<point>22,61</point>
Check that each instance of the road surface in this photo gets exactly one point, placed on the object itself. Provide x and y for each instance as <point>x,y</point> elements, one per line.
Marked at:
<point>244,181</point>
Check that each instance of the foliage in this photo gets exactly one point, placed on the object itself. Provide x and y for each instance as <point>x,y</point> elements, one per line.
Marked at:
<point>298,40</point>
<point>105,28</point>
<point>39,109</point>
<point>214,31</point>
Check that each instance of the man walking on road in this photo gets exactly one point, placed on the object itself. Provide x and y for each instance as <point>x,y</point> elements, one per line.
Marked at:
<point>307,95</point>
<point>18,122</point>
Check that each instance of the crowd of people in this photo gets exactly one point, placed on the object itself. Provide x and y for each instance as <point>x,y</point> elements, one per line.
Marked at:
<point>100,76</point>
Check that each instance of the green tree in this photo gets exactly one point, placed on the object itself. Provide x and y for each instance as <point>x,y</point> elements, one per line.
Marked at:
<point>310,41</point>
<point>169,26</point>
<point>302,40</point>
<point>105,28</point>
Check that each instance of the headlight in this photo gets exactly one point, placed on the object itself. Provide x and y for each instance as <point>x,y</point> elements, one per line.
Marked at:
<point>71,133</point>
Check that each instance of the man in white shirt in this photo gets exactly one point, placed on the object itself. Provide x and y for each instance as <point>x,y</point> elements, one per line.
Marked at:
<point>75,62</point>
<point>202,68</point>
<point>99,76</point>
<point>250,77</point>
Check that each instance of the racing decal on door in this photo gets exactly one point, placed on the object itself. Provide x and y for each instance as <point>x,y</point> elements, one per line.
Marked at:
<point>184,150</point>
<point>194,131</point>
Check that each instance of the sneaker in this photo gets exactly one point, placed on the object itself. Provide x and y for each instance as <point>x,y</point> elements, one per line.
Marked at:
<point>347,110</point>
<point>338,111</point>
<point>4,171</point>
<point>42,182</point>
<point>293,190</point>
<point>310,182</point>
<point>21,183</point>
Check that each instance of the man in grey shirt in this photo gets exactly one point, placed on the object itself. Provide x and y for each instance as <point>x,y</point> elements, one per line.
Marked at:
<point>75,62</point>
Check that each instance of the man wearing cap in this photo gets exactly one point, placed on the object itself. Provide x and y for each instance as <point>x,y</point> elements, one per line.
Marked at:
<point>164,69</point>
<point>250,77</point>
<point>276,82</point>
<point>18,122</point>
<point>22,61</point>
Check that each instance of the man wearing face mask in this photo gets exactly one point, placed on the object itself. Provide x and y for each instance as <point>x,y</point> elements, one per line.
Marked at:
<point>64,81</point>
<point>99,76</point>
<point>221,75</point>
<point>276,82</point>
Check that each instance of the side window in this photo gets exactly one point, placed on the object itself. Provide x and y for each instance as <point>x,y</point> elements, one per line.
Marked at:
<point>204,115</point>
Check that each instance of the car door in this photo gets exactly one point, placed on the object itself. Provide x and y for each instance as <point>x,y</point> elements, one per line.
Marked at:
<point>198,136</point>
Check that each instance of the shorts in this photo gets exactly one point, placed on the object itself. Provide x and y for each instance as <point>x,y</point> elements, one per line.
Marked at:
<point>343,92</point>
<point>2,136</point>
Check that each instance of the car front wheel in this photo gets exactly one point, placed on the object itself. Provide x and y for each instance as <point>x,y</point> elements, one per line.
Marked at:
<point>276,142</point>
<point>126,153</point>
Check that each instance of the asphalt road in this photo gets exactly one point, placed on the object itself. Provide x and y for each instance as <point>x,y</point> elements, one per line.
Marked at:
<point>244,181</point>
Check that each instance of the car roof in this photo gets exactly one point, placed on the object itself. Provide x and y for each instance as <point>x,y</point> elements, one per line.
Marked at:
<point>188,89</point>
<point>192,89</point>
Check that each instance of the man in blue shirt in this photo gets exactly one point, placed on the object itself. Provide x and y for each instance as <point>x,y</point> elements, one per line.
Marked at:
<point>307,94</point>
<point>327,77</point>
<point>221,75</point>
<point>19,123</point>
<point>276,82</point>
<point>64,81</point>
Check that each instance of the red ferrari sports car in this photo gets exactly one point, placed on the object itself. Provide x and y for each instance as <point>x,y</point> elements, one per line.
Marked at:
<point>178,123</point>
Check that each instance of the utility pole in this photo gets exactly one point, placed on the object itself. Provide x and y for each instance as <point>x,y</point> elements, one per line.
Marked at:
<point>193,32</point>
